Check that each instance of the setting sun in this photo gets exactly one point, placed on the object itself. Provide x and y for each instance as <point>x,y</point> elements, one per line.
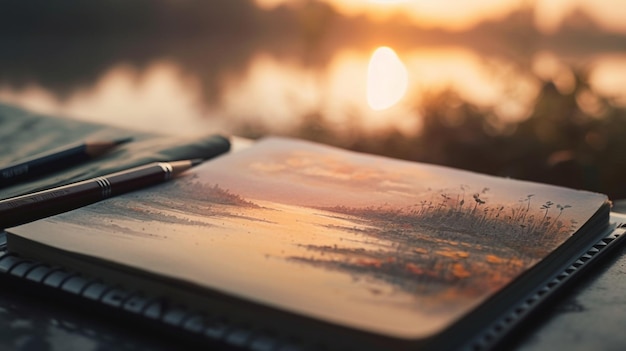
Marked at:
<point>387,79</point>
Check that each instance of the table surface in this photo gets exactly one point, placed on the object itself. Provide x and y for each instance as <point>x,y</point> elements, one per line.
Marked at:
<point>589,316</point>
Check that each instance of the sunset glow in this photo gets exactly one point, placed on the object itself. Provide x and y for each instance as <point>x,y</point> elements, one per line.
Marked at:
<point>455,15</point>
<point>461,15</point>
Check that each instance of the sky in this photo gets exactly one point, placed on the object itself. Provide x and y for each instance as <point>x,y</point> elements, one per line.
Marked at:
<point>462,14</point>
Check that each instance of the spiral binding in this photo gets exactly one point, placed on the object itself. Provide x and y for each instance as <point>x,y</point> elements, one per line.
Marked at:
<point>211,328</point>
<point>494,333</point>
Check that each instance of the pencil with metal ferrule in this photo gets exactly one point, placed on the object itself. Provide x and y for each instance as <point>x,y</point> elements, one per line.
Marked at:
<point>55,160</point>
<point>27,208</point>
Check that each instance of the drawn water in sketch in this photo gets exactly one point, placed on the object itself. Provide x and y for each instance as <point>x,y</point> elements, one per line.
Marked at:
<point>408,239</point>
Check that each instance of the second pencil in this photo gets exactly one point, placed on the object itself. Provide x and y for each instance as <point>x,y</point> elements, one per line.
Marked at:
<point>30,207</point>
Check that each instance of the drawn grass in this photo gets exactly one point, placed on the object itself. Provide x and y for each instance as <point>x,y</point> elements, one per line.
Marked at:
<point>444,243</point>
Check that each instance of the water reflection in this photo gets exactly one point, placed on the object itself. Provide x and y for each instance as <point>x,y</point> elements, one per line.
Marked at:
<point>608,77</point>
<point>158,99</point>
<point>272,93</point>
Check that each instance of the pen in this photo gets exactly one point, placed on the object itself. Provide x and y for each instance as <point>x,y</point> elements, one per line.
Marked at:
<point>26,208</point>
<point>57,159</point>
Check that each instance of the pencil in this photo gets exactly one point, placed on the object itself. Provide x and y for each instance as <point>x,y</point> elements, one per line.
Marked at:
<point>55,160</point>
<point>26,208</point>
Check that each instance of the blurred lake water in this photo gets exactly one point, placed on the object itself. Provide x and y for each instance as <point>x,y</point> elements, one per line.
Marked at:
<point>527,89</point>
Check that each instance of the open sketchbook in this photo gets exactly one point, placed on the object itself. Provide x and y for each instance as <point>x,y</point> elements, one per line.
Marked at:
<point>341,250</point>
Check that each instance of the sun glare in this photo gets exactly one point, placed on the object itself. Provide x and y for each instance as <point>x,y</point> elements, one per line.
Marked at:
<point>387,1</point>
<point>387,79</point>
